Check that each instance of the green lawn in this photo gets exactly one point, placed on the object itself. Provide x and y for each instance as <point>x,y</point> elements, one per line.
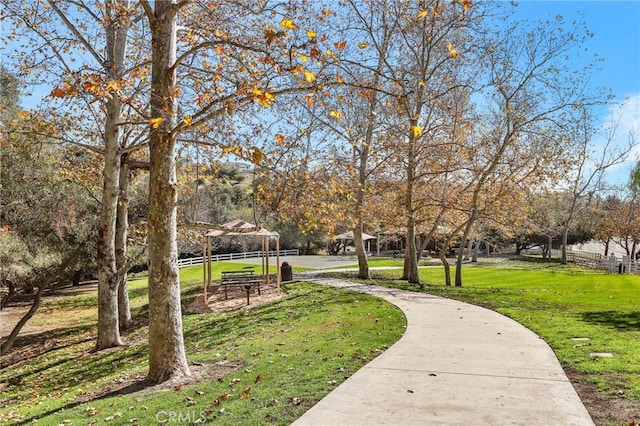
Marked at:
<point>284,357</point>
<point>561,304</point>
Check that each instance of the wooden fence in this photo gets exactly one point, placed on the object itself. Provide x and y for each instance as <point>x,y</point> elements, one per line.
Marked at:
<point>234,256</point>
<point>611,264</point>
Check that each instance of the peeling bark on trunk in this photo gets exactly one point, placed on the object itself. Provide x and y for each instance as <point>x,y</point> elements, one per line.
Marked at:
<point>108,330</point>
<point>461,255</point>
<point>410,272</point>
<point>122,225</point>
<point>108,326</point>
<point>167,358</point>
<point>363,264</point>
<point>445,264</point>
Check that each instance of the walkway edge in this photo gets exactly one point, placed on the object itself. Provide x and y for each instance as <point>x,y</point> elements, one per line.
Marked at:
<point>456,364</point>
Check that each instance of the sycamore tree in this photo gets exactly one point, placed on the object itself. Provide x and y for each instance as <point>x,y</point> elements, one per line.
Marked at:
<point>92,57</point>
<point>212,66</point>
<point>422,69</point>
<point>530,89</point>
<point>595,155</point>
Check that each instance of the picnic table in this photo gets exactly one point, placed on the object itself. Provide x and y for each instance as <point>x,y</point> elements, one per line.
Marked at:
<point>243,278</point>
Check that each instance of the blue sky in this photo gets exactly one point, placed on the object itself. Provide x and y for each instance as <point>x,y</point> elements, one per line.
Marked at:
<point>616,40</point>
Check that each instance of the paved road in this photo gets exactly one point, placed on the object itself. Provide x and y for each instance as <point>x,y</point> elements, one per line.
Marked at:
<point>457,364</point>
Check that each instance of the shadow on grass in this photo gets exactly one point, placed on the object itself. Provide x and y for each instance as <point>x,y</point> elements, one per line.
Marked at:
<point>622,321</point>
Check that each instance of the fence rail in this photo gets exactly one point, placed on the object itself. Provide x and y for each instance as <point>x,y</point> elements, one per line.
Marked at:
<point>612,264</point>
<point>234,256</point>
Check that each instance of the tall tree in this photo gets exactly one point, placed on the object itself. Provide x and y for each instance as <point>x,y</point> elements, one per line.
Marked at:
<point>529,90</point>
<point>167,357</point>
<point>82,50</point>
<point>590,166</point>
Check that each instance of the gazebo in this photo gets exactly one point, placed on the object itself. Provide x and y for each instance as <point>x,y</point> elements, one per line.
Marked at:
<point>349,236</point>
<point>241,228</point>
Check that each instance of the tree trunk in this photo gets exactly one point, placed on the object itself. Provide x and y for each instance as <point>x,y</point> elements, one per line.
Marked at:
<point>363,264</point>
<point>44,284</point>
<point>108,326</point>
<point>423,241</point>
<point>122,225</point>
<point>8,344</point>
<point>108,330</point>
<point>7,297</point>
<point>445,264</point>
<point>565,238</point>
<point>465,235</point>
<point>410,261</point>
<point>167,357</point>
<point>410,272</point>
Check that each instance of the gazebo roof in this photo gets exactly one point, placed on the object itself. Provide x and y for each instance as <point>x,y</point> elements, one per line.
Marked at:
<point>239,227</point>
<point>349,236</point>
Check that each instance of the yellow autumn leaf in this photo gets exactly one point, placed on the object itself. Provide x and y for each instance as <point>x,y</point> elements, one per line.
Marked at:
<point>112,86</point>
<point>335,114</point>
<point>257,155</point>
<point>452,52</point>
<point>311,34</point>
<point>309,76</point>
<point>363,44</point>
<point>416,131</point>
<point>218,32</point>
<point>156,122</point>
<point>421,83</point>
<point>187,120</point>
<point>422,14</point>
<point>303,58</point>
<point>288,24</point>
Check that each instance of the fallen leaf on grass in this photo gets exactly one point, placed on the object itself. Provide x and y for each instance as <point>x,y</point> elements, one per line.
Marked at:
<point>258,378</point>
<point>92,411</point>
<point>114,416</point>
<point>246,394</point>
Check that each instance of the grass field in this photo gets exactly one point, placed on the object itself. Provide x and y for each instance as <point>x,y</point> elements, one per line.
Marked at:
<point>275,361</point>
<point>579,312</point>
<point>265,365</point>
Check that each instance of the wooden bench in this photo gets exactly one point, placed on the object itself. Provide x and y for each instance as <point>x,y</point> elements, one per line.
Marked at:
<point>245,278</point>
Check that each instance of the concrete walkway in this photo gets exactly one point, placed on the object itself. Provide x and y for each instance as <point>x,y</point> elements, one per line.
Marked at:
<point>456,364</point>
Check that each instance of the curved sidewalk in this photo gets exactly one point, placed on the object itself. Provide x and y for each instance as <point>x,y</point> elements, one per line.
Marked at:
<point>456,364</point>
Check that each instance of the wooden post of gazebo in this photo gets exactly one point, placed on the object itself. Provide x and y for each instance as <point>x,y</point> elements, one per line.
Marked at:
<point>204,268</point>
<point>278,277</point>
